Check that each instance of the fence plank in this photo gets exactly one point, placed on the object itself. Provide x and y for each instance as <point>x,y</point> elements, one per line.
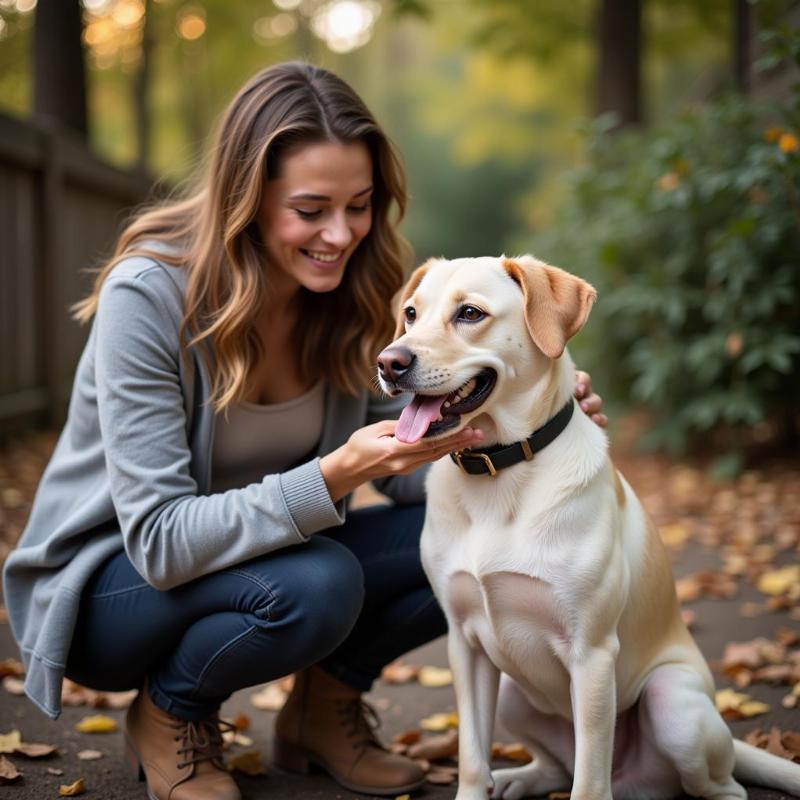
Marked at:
<point>61,209</point>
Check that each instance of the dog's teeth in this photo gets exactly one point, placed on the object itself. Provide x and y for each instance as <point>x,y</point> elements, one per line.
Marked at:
<point>447,404</point>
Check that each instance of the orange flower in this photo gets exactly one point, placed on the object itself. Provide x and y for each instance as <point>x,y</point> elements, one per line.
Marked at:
<point>788,143</point>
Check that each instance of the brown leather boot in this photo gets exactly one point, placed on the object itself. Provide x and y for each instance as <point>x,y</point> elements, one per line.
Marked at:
<point>325,723</point>
<point>180,759</point>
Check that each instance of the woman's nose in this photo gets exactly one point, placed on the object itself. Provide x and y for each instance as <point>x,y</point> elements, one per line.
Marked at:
<point>337,232</point>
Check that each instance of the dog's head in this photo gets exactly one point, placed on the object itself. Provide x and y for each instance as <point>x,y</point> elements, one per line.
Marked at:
<point>474,331</point>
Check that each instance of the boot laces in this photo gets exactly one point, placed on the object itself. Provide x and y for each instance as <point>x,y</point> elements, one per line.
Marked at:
<point>361,722</point>
<point>202,741</point>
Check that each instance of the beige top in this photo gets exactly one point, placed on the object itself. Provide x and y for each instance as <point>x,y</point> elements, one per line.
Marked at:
<point>257,440</point>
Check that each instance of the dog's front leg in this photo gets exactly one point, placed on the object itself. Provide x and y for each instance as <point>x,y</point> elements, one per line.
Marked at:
<point>594,703</point>
<point>476,682</point>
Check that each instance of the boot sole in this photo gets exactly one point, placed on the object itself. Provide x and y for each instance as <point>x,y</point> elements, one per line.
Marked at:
<point>292,758</point>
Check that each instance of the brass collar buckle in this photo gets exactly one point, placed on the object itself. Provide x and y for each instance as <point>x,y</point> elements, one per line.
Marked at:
<point>466,452</point>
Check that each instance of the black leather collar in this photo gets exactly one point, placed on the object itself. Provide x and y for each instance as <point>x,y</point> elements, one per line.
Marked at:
<point>491,460</point>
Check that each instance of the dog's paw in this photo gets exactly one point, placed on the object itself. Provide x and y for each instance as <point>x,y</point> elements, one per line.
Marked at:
<point>527,781</point>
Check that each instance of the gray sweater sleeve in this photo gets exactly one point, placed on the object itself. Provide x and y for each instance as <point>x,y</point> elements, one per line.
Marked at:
<point>171,534</point>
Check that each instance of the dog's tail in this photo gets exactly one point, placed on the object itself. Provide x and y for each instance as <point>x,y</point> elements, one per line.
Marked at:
<point>764,769</point>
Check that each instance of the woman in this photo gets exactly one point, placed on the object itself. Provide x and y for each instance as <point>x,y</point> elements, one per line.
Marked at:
<point>219,419</point>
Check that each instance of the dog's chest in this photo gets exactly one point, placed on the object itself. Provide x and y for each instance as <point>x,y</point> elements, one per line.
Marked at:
<point>517,620</point>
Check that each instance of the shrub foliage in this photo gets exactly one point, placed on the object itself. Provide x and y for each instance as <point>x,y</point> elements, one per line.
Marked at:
<point>691,234</point>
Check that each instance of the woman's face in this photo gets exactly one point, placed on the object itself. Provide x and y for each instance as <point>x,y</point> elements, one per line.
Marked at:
<point>314,215</point>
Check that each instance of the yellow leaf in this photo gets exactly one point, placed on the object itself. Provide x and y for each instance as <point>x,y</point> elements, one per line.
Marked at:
<point>440,722</point>
<point>9,742</point>
<point>728,700</point>
<point>752,708</point>
<point>779,581</point>
<point>434,677</point>
<point>675,534</point>
<point>403,797</point>
<point>96,724</point>
<point>79,787</point>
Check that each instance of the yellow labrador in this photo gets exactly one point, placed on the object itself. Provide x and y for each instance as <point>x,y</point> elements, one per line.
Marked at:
<point>545,563</point>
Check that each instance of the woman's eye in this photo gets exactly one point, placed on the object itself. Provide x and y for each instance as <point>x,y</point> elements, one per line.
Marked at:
<point>308,214</point>
<point>410,313</point>
<point>359,209</point>
<point>470,314</point>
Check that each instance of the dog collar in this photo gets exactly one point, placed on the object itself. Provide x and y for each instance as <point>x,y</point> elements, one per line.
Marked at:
<point>491,460</point>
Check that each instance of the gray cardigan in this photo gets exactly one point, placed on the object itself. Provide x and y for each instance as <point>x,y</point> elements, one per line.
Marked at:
<point>132,470</point>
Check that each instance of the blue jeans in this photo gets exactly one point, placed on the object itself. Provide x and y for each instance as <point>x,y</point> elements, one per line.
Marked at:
<point>351,600</point>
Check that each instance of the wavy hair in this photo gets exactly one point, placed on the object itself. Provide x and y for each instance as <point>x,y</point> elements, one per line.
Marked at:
<point>212,233</point>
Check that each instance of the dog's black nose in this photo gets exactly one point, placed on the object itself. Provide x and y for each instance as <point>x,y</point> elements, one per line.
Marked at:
<point>394,362</point>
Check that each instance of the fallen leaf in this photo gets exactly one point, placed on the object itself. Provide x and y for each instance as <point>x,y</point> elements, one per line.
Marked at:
<point>8,772</point>
<point>33,750</point>
<point>439,722</point>
<point>90,755</point>
<point>435,748</point>
<point>54,771</point>
<point>9,742</point>
<point>242,722</point>
<point>675,534</point>
<point>440,778</point>
<point>79,787</point>
<point>10,666</point>
<point>249,763</point>
<point>96,724</point>
<point>117,700</point>
<point>736,705</point>
<point>403,797</point>
<point>14,686</point>
<point>270,698</point>
<point>434,677</point>
<point>408,737</point>
<point>515,752</point>
<point>779,581</point>
<point>399,672</point>
<point>787,637</point>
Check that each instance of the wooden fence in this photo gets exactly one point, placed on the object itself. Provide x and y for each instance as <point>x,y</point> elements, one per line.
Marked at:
<point>60,210</point>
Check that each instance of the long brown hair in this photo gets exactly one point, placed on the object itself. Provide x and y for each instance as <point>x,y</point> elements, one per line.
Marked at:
<point>212,233</point>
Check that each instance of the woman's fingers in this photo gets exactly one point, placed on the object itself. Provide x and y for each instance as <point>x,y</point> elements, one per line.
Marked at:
<point>583,384</point>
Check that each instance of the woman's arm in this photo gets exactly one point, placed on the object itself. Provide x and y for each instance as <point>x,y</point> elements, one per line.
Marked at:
<point>171,534</point>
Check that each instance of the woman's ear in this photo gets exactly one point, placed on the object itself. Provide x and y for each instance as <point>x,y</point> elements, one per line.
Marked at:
<point>557,303</point>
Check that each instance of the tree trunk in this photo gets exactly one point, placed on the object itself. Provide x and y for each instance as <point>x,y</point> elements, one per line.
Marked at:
<point>741,45</point>
<point>619,38</point>
<point>140,92</point>
<point>59,88</point>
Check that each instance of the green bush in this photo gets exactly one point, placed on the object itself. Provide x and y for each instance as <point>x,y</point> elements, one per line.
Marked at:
<point>691,234</point>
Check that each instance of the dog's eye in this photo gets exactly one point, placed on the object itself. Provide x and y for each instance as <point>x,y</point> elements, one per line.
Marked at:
<point>470,314</point>
<point>410,313</point>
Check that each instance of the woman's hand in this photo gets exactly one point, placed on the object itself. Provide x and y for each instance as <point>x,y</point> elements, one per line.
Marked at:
<point>591,403</point>
<point>373,452</point>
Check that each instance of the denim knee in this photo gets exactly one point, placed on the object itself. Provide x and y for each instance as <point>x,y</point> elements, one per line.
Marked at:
<point>316,596</point>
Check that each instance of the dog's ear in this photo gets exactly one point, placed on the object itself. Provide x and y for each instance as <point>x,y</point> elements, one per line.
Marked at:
<point>411,286</point>
<point>556,303</point>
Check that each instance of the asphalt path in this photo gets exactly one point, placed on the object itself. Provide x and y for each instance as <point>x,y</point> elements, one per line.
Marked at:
<point>718,622</point>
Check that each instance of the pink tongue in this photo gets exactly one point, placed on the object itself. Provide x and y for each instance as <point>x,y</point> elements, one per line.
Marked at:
<point>417,416</point>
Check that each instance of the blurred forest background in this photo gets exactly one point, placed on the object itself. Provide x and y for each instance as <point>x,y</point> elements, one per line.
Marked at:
<point>650,146</point>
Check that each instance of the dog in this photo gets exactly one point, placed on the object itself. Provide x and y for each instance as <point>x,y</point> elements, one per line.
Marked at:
<point>562,611</point>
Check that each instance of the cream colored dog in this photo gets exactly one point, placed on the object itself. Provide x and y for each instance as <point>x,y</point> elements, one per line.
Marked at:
<point>550,571</point>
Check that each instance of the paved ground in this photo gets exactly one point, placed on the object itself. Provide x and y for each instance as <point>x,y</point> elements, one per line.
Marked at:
<point>718,622</point>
